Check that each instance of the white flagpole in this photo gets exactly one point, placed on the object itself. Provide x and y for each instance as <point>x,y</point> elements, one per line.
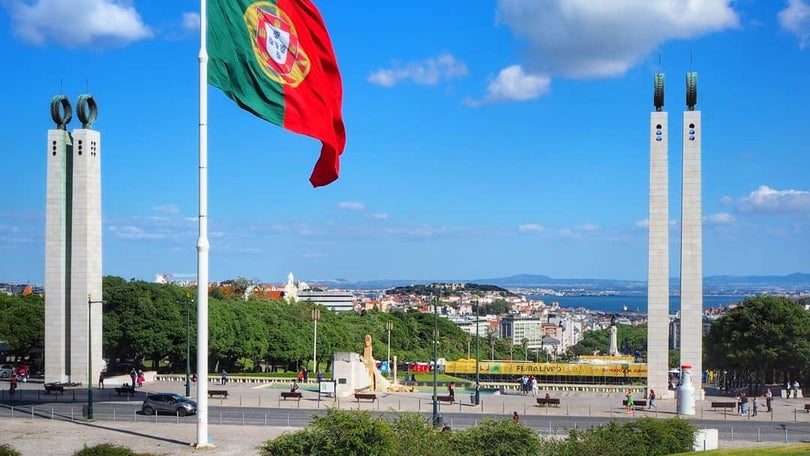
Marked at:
<point>202,243</point>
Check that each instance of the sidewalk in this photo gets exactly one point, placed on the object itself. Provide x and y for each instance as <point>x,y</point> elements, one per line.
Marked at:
<point>608,405</point>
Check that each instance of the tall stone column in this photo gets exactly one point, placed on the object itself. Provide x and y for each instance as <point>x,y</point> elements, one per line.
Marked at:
<point>73,246</point>
<point>692,240</point>
<point>85,268</point>
<point>57,243</point>
<point>658,248</point>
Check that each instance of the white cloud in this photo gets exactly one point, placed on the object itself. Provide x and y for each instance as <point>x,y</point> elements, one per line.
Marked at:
<point>767,200</point>
<point>586,38</point>
<point>796,20</point>
<point>77,22</point>
<point>643,223</point>
<point>427,72</point>
<point>380,216</point>
<point>512,84</point>
<point>720,218</point>
<point>191,21</point>
<point>351,206</point>
<point>134,233</point>
<point>167,209</point>
<point>530,227</point>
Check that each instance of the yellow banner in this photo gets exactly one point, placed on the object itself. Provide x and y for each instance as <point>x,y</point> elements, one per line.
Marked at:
<point>467,366</point>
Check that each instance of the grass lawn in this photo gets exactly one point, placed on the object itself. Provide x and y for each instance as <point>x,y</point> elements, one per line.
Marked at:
<point>802,449</point>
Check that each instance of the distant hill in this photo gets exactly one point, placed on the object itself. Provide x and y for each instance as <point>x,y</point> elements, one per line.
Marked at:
<point>796,282</point>
<point>443,291</point>
<point>790,280</point>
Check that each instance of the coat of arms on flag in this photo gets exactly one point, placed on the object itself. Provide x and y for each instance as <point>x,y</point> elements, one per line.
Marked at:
<point>275,44</point>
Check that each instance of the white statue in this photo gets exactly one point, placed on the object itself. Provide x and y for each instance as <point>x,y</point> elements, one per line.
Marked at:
<point>290,290</point>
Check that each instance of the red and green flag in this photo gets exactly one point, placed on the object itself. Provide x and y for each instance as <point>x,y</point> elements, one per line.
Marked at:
<point>275,59</point>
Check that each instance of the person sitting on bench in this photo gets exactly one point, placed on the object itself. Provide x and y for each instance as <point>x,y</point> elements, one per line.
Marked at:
<point>293,386</point>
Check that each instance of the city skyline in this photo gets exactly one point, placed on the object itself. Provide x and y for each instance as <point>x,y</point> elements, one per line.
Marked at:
<point>508,137</point>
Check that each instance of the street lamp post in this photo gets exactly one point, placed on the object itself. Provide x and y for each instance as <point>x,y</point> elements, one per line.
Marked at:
<point>543,347</point>
<point>389,325</point>
<point>316,315</point>
<point>90,303</point>
<point>435,360</point>
<point>469,339</point>
<point>188,345</point>
<point>477,339</point>
<point>525,343</point>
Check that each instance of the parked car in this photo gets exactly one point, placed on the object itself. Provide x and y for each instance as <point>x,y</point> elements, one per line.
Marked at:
<point>5,370</point>
<point>168,403</point>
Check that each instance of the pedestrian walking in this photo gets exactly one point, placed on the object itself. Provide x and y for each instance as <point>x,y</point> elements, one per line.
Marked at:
<point>755,403</point>
<point>629,401</point>
<point>768,399</point>
<point>652,399</point>
<point>101,379</point>
<point>223,377</point>
<point>13,385</point>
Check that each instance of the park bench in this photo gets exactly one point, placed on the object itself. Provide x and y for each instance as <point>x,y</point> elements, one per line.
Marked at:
<point>807,408</point>
<point>56,388</point>
<point>291,395</point>
<point>726,404</point>
<point>546,401</point>
<point>121,390</point>
<point>223,393</point>
<point>641,403</point>
<point>448,398</point>
<point>368,396</point>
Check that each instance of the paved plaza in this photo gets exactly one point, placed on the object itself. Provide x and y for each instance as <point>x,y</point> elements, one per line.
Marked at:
<point>32,432</point>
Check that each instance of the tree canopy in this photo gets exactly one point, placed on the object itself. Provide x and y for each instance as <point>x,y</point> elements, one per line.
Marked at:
<point>146,323</point>
<point>766,338</point>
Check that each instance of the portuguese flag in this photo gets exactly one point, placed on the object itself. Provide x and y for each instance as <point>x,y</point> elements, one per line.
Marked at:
<point>275,59</point>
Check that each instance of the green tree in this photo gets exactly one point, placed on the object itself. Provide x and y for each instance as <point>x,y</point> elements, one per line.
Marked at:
<point>766,338</point>
<point>22,326</point>
<point>630,339</point>
<point>143,321</point>
<point>496,307</point>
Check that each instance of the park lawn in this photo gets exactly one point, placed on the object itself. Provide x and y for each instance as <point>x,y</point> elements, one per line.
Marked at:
<point>802,449</point>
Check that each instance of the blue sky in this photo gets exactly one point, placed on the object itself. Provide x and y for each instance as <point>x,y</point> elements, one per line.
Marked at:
<point>484,139</point>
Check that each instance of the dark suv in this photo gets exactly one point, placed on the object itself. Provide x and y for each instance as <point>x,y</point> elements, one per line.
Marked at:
<point>168,403</point>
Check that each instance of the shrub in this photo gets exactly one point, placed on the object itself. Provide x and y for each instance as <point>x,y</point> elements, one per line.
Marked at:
<point>497,438</point>
<point>8,450</point>
<point>415,436</point>
<point>359,433</point>
<point>643,437</point>
<point>290,444</point>
<point>105,449</point>
<point>349,433</point>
